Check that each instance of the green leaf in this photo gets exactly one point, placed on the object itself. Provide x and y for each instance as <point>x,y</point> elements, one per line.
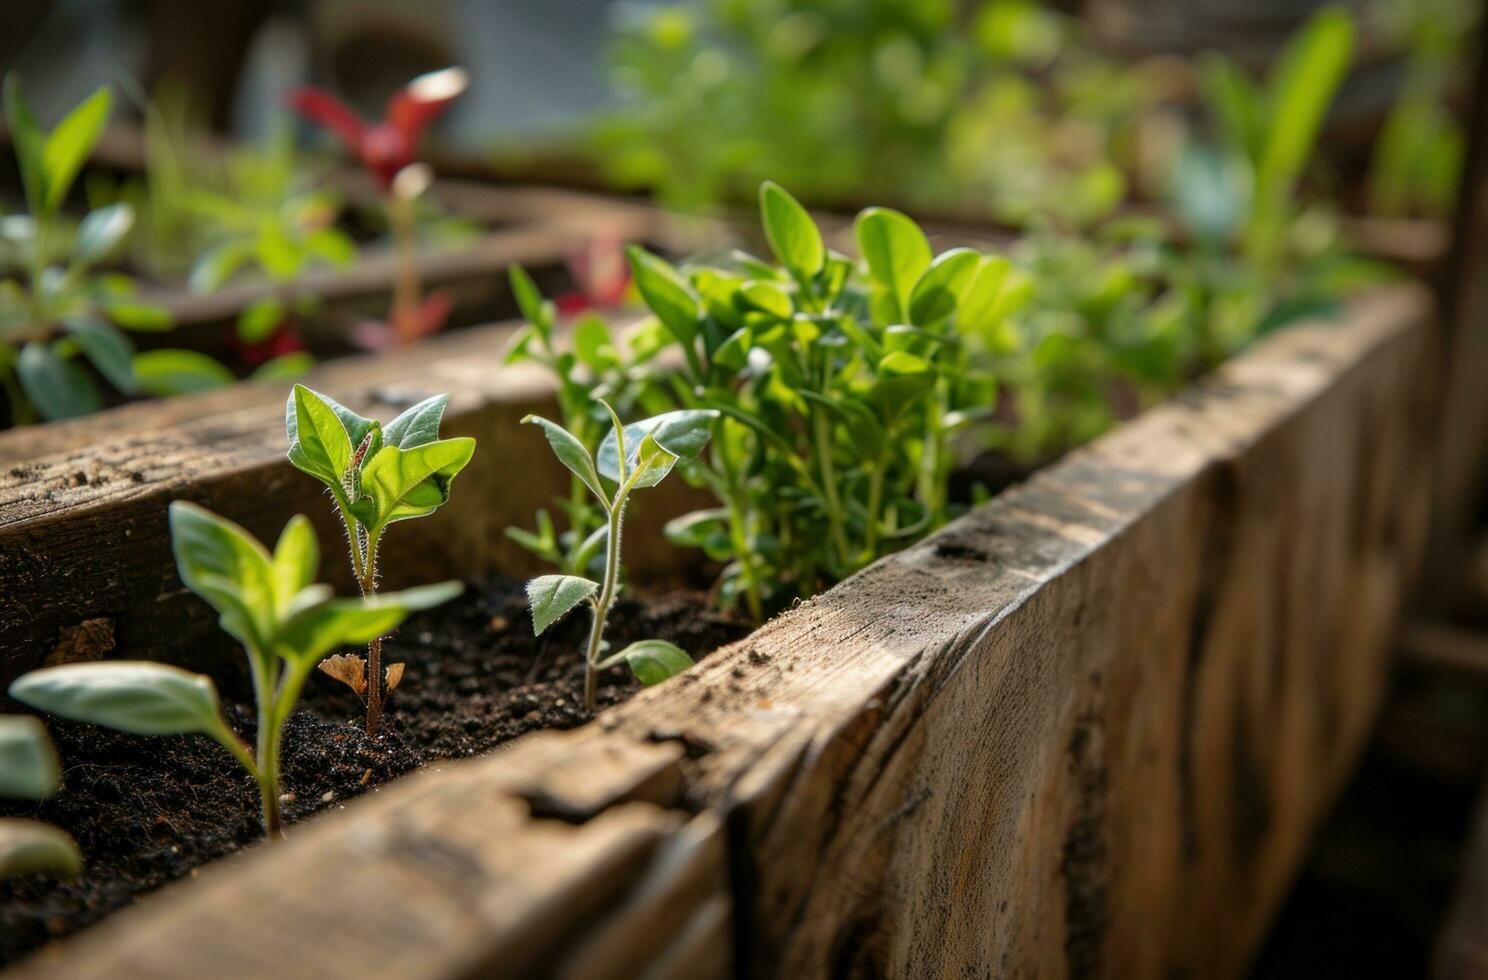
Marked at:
<point>793,236</point>
<point>319,444</point>
<point>941,289</point>
<point>66,150</point>
<point>29,847</point>
<point>592,343</point>
<point>655,444</point>
<point>571,453</point>
<point>896,250</point>
<point>530,301</point>
<point>552,596</point>
<point>295,561</point>
<point>135,696</point>
<point>316,630</point>
<point>984,301</point>
<point>30,145</point>
<point>1303,84</point>
<point>142,317</point>
<point>59,389</point>
<point>653,661</point>
<point>285,367</point>
<point>227,567</point>
<point>408,483</point>
<point>217,265</point>
<point>101,231</point>
<point>333,245</point>
<point>418,425</point>
<point>107,348</point>
<point>28,763</point>
<point>177,371</point>
<point>666,293</point>
<point>765,297</point>
<point>259,320</point>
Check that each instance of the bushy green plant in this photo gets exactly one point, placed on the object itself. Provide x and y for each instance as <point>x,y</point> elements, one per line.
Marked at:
<point>58,320</point>
<point>841,389</point>
<point>29,771</point>
<point>268,602</point>
<point>631,457</point>
<point>377,475</point>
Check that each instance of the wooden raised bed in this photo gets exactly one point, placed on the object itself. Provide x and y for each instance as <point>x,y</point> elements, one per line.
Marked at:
<point>1086,729</point>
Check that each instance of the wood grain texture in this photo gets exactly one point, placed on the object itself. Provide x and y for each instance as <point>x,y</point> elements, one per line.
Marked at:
<point>83,533</point>
<point>1085,730</point>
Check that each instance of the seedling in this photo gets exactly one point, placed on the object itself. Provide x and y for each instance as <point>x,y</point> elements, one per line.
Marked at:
<point>270,604</point>
<point>596,366</point>
<point>55,318</point>
<point>631,457</point>
<point>377,475</point>
<point>29,771</point>
<point>389,151</point>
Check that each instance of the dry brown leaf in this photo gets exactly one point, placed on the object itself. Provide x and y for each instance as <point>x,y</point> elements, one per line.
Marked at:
<point>394,674</point>
<point>347,668</point>
<point>86,642</point>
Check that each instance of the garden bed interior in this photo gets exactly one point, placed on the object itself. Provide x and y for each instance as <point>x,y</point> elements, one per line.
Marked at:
<point>1088,727</point>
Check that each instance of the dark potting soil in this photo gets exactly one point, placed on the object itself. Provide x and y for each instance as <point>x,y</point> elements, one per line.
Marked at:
<point>146,811</point>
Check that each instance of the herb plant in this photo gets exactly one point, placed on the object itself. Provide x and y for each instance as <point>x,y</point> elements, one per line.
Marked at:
<point>597,368</point>
<point>29,771</point>
<point>841,389</point>
<point>377,475</point>
<point>270,604</point>
<point>631,457</point>
<point>57,318</point>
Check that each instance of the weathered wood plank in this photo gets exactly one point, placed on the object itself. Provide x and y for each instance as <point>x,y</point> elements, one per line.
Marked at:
<point>1085,730</point>
<point>83,532</point>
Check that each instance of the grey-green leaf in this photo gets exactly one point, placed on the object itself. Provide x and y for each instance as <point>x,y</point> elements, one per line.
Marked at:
<point>135,696</point>
<point>571,453</point>
<point>106,347</point>
<point>227,567</point>
<point>793,236</point>
<point>319,444</point>
<point>101,231</point>
<point>653,661</point>
<point>28,763</point>
<point>31,847</point>
<point>551,596</point>
<point>682,434</point>
<point>416,426</point>
<point>59,389</point>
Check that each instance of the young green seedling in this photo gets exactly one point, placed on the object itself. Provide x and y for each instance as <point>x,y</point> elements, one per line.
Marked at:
<point>631,457</point>
<point>378,475</point>
<point>29,771</point>
<point>270,603</point>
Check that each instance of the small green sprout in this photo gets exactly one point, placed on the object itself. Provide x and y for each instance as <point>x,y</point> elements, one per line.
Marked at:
<point>270,603</point>
<point>378,475</point>
<point>631,457</point>
<point>29,771</point>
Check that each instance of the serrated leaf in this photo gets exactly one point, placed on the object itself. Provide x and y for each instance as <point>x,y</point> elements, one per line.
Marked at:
<point>571,453</point>
<point>552,596</point>
<point>418,425</point>
<point>793,236</point>
<point>408,483</point>
<point>106,348</point>
<point>316,630</point>
<point>666,293</point>
<point>28,763</point>
<point>30,847</point>
<point>176,371</point>
<point>227,567</point>
<point>896,250</point>
<point>67,148</point>
<point>58,388</point>
<point>100,232</point>
<point>653,661</point>
<point>680,435</point>
<point>135,696</point>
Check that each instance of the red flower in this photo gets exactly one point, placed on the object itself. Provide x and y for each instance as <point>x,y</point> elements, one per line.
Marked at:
<point>388,146</point>
<point>602,275</point>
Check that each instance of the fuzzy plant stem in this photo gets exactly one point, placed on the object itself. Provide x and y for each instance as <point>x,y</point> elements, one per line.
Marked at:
<point>368,585</point>
<point>602,604</point>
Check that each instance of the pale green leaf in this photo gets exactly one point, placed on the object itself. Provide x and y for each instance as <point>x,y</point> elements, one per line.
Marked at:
<point>227,567</point>
<point>177,371</point>
<point>67,148</point>
<point>793,236</point>
<point>30,847</point>
<point>896,250</point>
<point>135,696</point>
<point>28,763</point>
<point>552,596</point>
<point>417,425</point>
